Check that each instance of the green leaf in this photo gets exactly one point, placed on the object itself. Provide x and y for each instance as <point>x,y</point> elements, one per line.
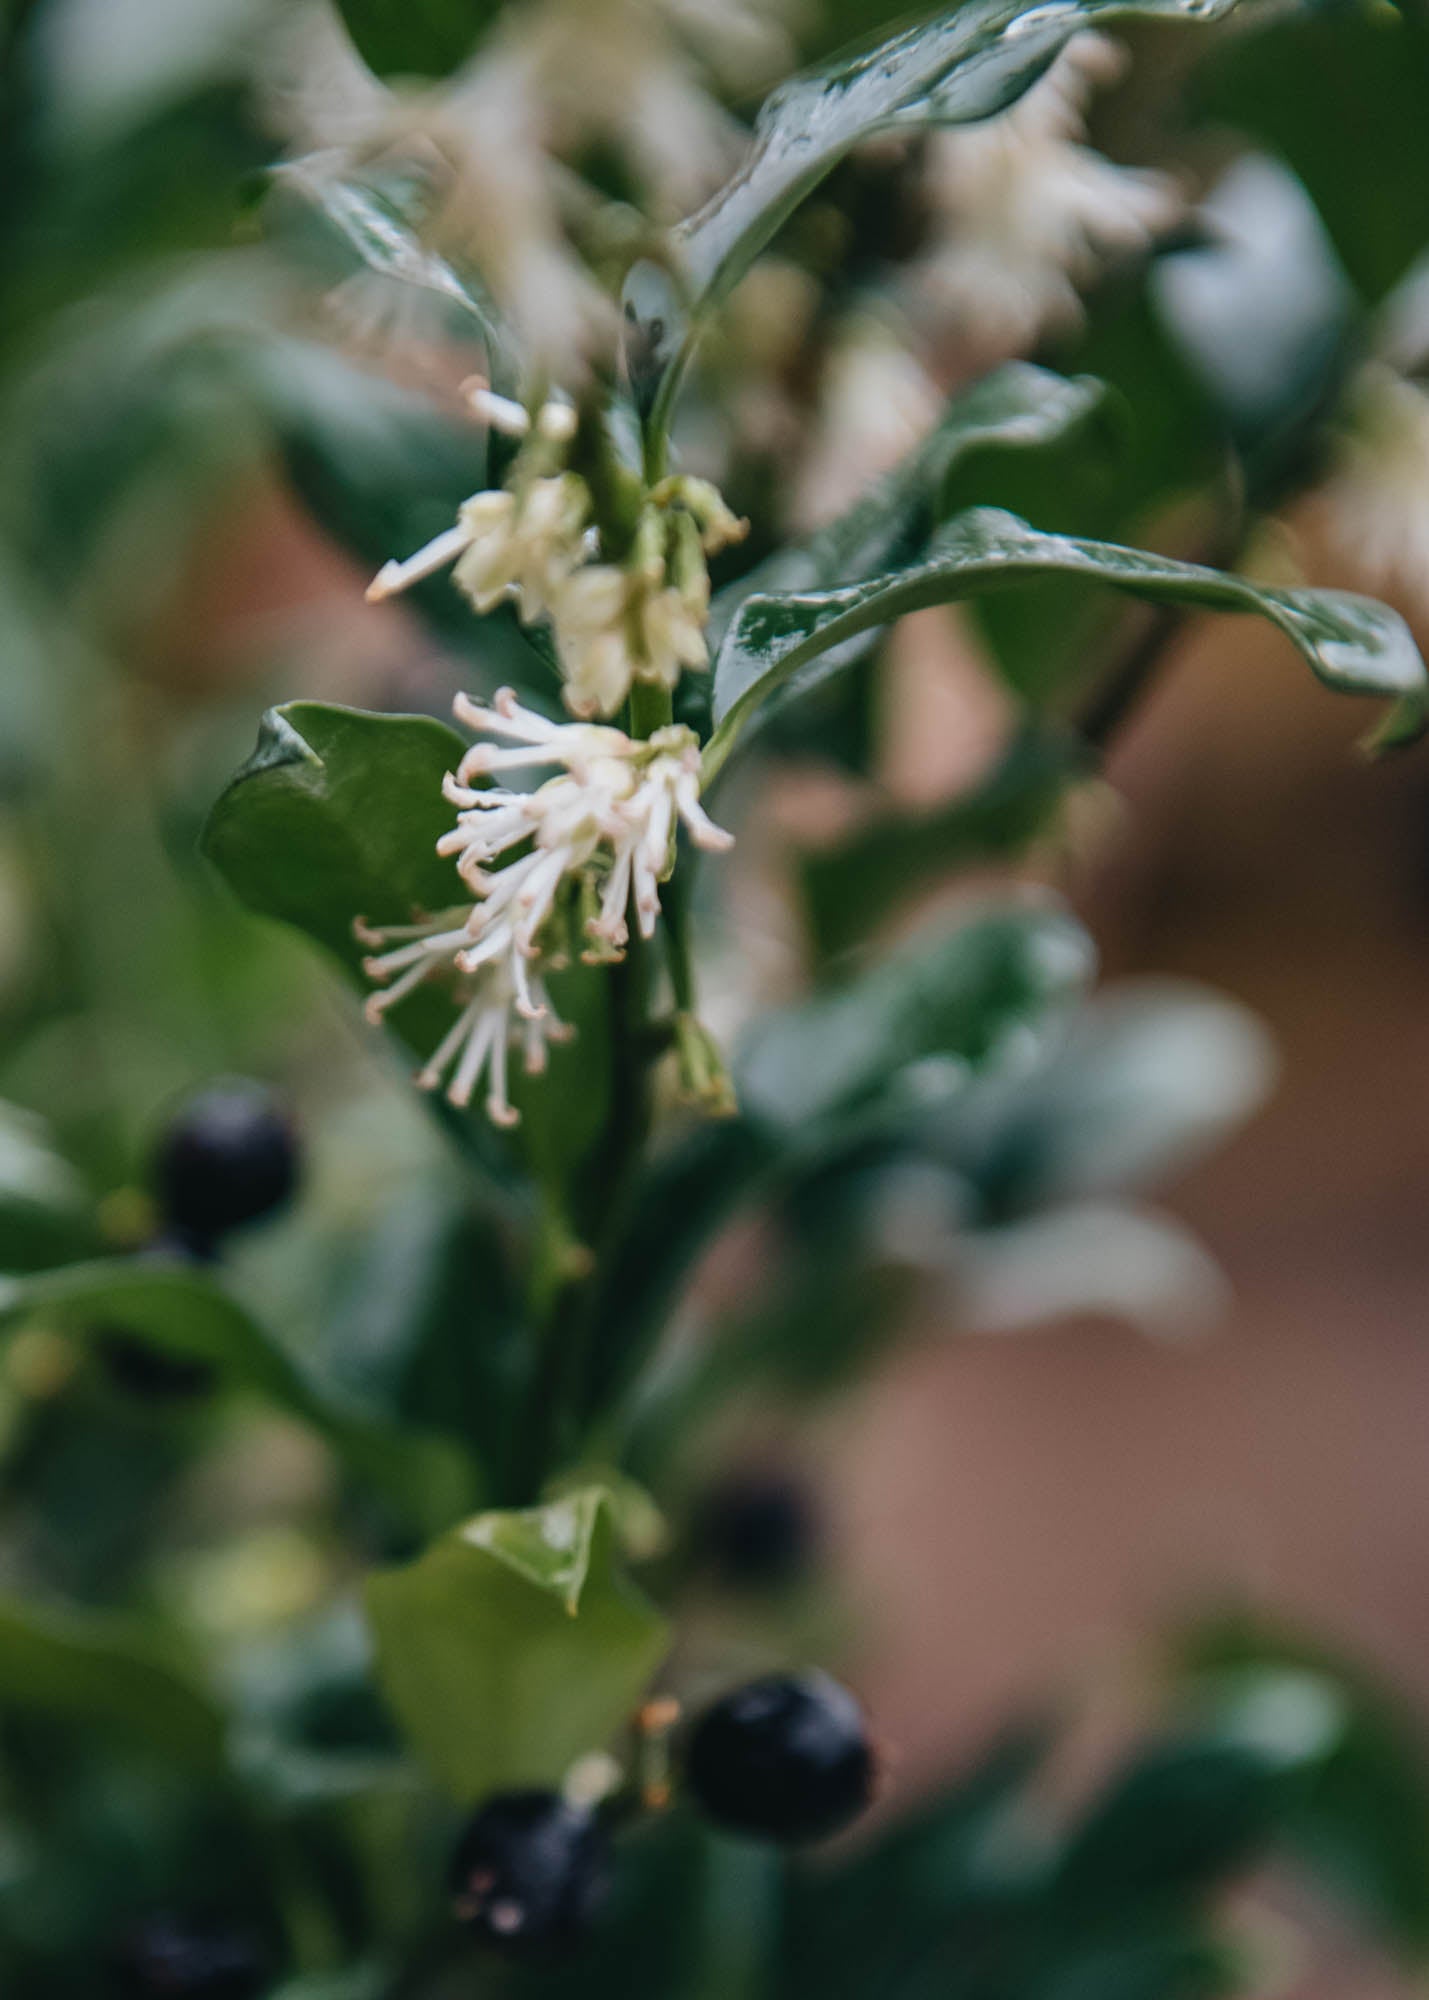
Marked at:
<point>102,1671</point>
<point>964,63</point>
<point>1189,1812</point>
<point>1362,1825</point>
<point>1168,452</point>
<point>864,879</point>
<point>417,37</point>
<point>336,817</point>
<point>1015,408</point>
<point>958,997</point>
<point>515,1644</point>
<point>1353,644</point>
<point>182,1311</point>
<point>1148,1077</point>
<point>1016,414</point>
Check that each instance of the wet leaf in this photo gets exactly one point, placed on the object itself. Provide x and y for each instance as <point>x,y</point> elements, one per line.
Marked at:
<point>515,1644</point>
<point>1351,643</point>
<point>964,63</point>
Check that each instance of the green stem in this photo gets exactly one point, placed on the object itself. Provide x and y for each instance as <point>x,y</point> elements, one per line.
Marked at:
<point>743,1905</point>
<point>569,1247</point>
<point>555,1276</point>
<point>651,708</point>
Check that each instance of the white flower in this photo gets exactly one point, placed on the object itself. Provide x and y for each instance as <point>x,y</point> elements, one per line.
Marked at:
<point>1030,213</point>
<point>615,626</point>
<point>504,999</point>
<point>644,619</point>
<point>1376,501</point>
<point>530,541</point>
<point>551,81</point>
<point>584,845</point>
<point>605,825</point>
<point>497,196</point>
<point>519,542</point>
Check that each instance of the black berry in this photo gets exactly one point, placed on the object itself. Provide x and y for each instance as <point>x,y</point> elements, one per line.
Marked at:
<point>530,1871</point>
<point>165,1959</point>
<point>228,1157</point>
<point>755,1529</point>
<point>787,1759</point>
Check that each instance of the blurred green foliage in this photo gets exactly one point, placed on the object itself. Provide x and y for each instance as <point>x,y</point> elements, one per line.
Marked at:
<point>188,1706</point>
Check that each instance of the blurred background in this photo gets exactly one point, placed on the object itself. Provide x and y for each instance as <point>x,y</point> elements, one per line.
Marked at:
<point>224,399</point>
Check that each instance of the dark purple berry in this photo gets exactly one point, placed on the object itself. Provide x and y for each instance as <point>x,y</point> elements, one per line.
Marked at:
<point>756,1529</point>
<point>229,1157</point>
<point>166,1959</point>
<point>787,1758</point>
<point>530,1871</point>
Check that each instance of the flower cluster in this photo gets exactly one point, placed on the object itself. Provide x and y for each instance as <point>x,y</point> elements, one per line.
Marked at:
<point>550,871</point>
<point>532,542</point>
<point>553,82</point>
<point>1030,211</point>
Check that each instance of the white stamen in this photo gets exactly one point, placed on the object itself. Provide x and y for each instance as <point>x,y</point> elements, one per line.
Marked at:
<point>396,576</point>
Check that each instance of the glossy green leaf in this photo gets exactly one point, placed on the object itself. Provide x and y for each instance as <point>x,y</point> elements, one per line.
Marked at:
<point>427,38</point>
<point>1264,317</point>
<point>1167,453</point>
<point>184,1312</point>
<point>336,816</point>
<point>1351,643</point>
<point>515,1644</point>
<point>963,63</point>
<point>955,998</point>
<point>871,874</point>
<point>102,1672</point>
